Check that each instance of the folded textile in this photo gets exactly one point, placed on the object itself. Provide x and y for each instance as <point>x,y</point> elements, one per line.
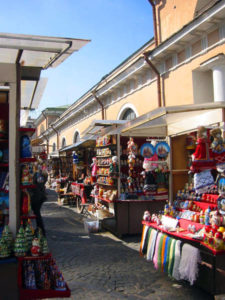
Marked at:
<point>171,257</point>
<point>144,232</point>
<point>190,258</point>
<point>146,240</point>
<point>155,258</point>
<point>151,245</point>
<point>160,249</point>
<point>166,255</point>
<point>175,272</point>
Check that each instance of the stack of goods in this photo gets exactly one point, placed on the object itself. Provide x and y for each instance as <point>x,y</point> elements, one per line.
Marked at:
<point>43,275</point>
<point>103,141</point>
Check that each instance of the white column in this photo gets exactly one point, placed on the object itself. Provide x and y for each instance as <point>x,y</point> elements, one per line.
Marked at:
<point>219,82</point>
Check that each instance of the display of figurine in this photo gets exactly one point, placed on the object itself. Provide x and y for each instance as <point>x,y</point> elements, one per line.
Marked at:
<point>114,168</point>
<point>35,249</point>
<point>45,249</point>
<point>25,147</point>
<point>149,179</point>
<point>26,203</point>
<point>94,170</point>
<point>29,234</point>
<point>147,216</point>
<point>20,245</point>
<point>8,237</point>
<point>218,241</point>
<point>207,216</point>
<point>5,250</point>
<point>26,176</point>
<point>29,276</point>
<point>202,162</point>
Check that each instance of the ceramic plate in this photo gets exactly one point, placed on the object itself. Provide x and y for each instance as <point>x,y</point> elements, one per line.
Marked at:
<point>147,150</point>
<point>162,149</point>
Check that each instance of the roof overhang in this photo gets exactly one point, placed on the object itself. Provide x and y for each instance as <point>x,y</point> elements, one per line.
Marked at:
<point>35,53</point>
<point>97,126</point>
<point>89,141</point>
<point>174,120</point>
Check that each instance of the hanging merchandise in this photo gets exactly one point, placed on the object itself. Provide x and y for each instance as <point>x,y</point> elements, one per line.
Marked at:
<point>147,150</point>
<point>26,203</point>
<point>75,158</point>
<point>162,149</point>
<point>131,149</point>
<point>25,147</point>
<point>94,170</point>
<point>149,178</point>
<point>26,174</point>
<point>218,149</point>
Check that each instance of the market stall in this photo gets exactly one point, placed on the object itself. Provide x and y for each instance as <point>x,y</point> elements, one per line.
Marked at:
<point>130,175</point>
<point>186,240</point>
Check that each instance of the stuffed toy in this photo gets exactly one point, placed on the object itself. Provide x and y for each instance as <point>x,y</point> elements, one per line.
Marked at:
<point>113,168</point>
<point>94,169</point>
<point>202,158</point>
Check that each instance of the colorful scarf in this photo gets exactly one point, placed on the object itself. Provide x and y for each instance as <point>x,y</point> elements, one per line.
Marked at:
<point>152,244</point>
<point>175,272</point>
<point>190,258</point>
<point>163,251</point>
<point>166,255</point>
<point>160,248</point>
<point>144,232</point>
<point>146,241</point>
<point>155,258</point>
<point>171,257</point>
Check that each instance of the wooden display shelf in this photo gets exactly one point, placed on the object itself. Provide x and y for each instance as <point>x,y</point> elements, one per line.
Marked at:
<point>4,165</point>
<point>27,130</point>
<point>103,166</point>
<point>25,217</point>
<point>102,156</point>
<point>181,171</point>
<point>105,146</point>
<point>113,186</point>
<point>103,199</point>
<point>29,186</point>
<point>27,159</point>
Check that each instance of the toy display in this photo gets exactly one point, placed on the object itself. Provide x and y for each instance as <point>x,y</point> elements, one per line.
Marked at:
<point>131,149</point>
<point>25,147</point>
<point>35,248</point>
<point>26,174</point>
<point>94,170</point>
<point>20,245</point>
<point>218,149</point>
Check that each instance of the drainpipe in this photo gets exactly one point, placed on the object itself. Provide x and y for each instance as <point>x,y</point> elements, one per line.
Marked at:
<point>57,134</point>
<point>152,2</point>
<point>101,104</point>
<point>158,78</point>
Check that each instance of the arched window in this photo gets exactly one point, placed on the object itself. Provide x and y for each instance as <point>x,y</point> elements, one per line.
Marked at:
<point>76,137</point>
<point>128,114</point>
<point>42,129</point>
<point>54,147</point>
<point>63,142</point>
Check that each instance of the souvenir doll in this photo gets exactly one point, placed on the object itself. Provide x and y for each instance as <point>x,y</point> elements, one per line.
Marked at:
<point>149,179</point>
<point>113,168</point>
<point>94,169</point>
<point>35,249</point>
<point>147,216</point>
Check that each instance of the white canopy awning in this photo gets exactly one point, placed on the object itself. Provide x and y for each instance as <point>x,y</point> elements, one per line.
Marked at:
<point>169,121</point>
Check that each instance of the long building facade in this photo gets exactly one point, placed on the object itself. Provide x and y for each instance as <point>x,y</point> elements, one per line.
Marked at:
<point>183,64</point>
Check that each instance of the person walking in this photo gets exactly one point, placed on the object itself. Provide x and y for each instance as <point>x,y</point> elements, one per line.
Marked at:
<point>38,196</point>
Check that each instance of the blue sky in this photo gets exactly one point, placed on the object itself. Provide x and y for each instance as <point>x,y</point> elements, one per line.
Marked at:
<point>116,28</point>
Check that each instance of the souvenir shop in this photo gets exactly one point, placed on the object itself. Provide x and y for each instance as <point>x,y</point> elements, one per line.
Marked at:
<point>24,254</point>
<point>129,174</point>
<point>187,239</point>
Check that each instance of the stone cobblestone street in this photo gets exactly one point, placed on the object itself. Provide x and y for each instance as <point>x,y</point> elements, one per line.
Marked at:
<point>101,266</point>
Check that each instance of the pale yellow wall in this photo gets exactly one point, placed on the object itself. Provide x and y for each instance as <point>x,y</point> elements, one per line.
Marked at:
<point>172,15</point>
<point>144,100</point>
<point>178,85</point>
<point>39,127</point>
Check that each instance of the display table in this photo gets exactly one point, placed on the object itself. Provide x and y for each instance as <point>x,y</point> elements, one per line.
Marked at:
<point>211,276</point>
<point>128,215</point>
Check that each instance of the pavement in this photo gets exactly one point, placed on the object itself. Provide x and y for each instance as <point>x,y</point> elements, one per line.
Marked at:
<point>102,266</point>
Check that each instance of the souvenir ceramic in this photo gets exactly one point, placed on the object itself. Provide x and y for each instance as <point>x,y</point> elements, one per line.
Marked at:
<point>162,149</point>
<point>147,150</point>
